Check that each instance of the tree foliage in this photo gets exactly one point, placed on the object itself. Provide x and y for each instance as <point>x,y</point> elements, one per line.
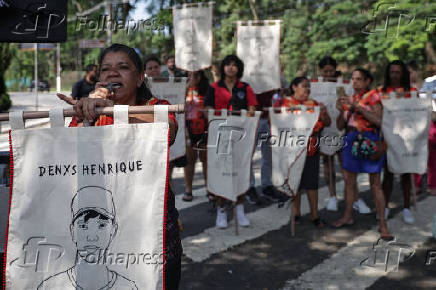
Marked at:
<point>352,31</point>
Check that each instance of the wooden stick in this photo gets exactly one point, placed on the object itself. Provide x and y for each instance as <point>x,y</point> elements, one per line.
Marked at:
<point>413,188</point>
<point>294,108</point>
<point>331,185</point>
<point>292,220</point>
<point>99,111</point>
<point>235,217</point>
<point>166,79</point>
<point>186,5</point>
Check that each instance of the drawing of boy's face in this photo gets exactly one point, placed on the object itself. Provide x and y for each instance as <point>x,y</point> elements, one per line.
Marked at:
<point>93,225</point>
<point>93,231</point>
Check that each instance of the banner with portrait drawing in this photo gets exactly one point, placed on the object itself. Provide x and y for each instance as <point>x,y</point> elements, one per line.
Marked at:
<point>87,207</point>
<point>290,133</point>
<point>230,146</point>
<point>258,47</point>
<point>406,123</point>
<point>331,139</point>
<point>173,90</point>
<point>192,29</point>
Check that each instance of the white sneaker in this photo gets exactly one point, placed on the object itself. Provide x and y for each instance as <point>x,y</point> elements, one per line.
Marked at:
<point>387,210</point>
<point>408,216</point>
<point>386,214</point>
<point>361,206</point>
<point>221,218</point>
<point>242,219</point>
<point>332,204</point>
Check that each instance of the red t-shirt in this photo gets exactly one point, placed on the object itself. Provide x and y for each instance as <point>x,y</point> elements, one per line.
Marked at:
<point>241,97</point>
<point>194,117</point>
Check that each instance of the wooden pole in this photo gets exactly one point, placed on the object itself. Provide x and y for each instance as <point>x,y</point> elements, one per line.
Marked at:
<point>413,188</point>
<point>99,111</point>
<point>235,217</point>
<point>330,165</point>
<point>292,219</point>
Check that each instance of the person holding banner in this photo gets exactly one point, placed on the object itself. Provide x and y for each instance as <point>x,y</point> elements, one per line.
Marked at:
<point>231,94</point>
<point>196,125</point>
<point>397,80</point>
<point>327,67</point>
<point>172,70</point>
<point>361,116</point>
<point>300,91</point>
<point>152,66</point>
<point>122,66</point>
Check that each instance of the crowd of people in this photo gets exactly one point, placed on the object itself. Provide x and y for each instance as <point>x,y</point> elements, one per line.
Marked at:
<point>360,116</point>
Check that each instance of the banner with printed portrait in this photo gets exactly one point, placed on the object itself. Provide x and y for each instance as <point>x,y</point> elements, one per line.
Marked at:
<point>173,90</point>
<point>259,48</point>
<point>406,123</point>
<point>230,146</point>
<point>192,29</point>
<point>87,207</point>
<point>331,139</point>
<point>290,133</point>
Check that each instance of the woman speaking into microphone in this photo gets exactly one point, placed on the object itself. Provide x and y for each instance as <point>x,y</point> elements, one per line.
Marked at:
<point>121,66</point>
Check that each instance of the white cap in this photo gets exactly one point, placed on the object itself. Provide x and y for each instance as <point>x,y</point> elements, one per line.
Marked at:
<point>93,198</point>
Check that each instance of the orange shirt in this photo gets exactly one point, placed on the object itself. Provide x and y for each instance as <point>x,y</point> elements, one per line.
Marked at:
<point>290,102</point>
<point>366,100</point>
<point>194,117</point>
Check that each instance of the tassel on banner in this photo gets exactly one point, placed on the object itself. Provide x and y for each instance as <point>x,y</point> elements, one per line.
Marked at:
<point>225,113</point>
<point>399,95</point>
<point>258,22</point>
<point>189,5</point>
<point>165,80</point>
<point>278,110</point>
<point>339,80</point>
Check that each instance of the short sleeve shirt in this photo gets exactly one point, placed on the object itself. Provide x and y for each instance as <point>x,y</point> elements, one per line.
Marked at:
<point>81,89</point>
<point>241,97</point>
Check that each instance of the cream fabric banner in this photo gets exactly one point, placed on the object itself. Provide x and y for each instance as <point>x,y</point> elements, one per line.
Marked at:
<point>406,123</point>
<point>230,146</point>
<point>290,134</point>
<point>331,139</point>
<point>259,48</point>
<point>174,92</point>
<point>192,28</point>
<point>87,208</point>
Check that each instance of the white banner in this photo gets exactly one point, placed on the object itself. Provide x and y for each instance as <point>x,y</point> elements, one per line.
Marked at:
<point>174,92</point>
<point>405,126</point>
<point>289,138</point>
<point>325,92</point>
<point>192,29</point>
<point>230,146</point>
<point>87,209</point>
<point>259,48</point>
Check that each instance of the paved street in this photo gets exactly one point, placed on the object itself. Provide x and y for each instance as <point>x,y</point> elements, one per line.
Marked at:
<point>266,256</point>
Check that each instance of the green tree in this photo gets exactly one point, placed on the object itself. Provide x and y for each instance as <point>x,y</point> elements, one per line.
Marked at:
<point>6,54</point>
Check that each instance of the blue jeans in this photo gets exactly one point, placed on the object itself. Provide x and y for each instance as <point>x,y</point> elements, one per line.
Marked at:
<point>263,131</point>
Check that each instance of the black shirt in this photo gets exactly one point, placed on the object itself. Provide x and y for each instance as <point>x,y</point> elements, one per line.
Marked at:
<point>82,89</point>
